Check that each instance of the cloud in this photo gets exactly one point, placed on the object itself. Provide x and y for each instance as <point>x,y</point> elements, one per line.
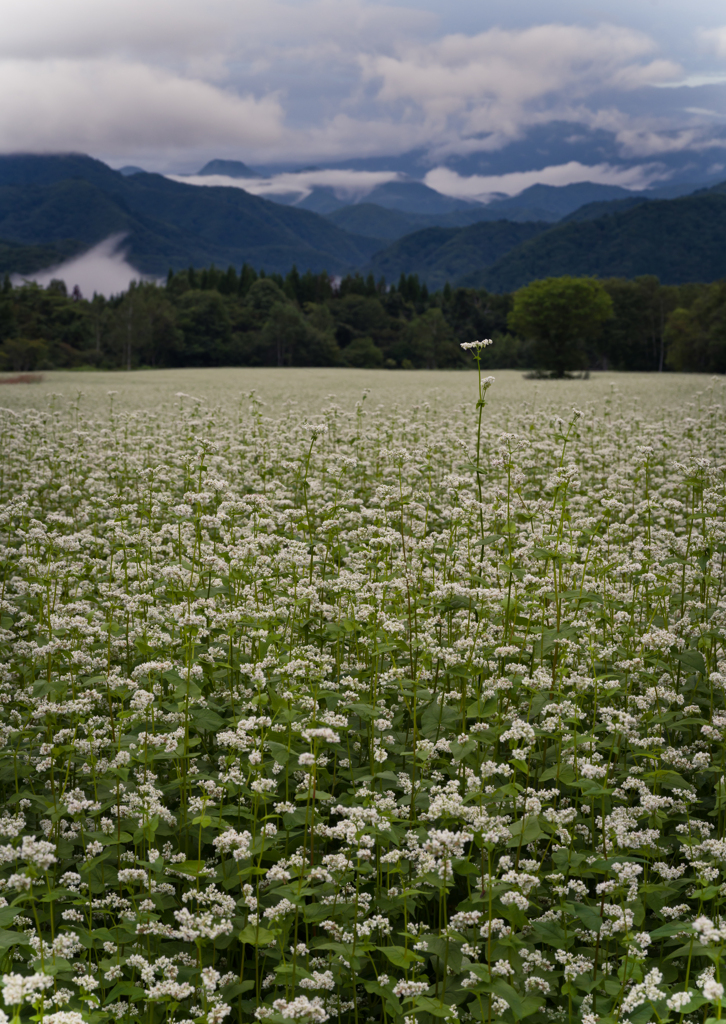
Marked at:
<point>39,30</point>
<point>636,143</point>
<point>498,81</point>
<point>713,39</point>
<point>180,30</point>
<point>346,184</point>
<point>482,187</point>
<point>102,269</point>
<point>354,185</point>
<point>119,107</point>
<point>170,83</point>
<point>170,80</point>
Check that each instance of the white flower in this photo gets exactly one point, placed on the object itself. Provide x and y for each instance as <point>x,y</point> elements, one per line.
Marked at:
<point>477,344</point>
<point>712,990</point>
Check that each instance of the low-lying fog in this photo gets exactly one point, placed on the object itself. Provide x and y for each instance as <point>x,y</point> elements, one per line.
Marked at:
<point>103,269</point>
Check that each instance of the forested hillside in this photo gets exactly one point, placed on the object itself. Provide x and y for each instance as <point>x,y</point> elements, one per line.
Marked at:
<point>677,240</point>
<point>438,255</point>
<point>74,202</point>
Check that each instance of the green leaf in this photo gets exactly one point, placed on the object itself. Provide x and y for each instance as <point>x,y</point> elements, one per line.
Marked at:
<point>189,867</point>
<point>125,988</point>
<point>208,720</point>
<point>588,915</point>
<point>525,831</point>
<point>438,718</point>
<point>460,750</point>
<point>231,991</point>
<point>446,950</point>
<point>8,939</point>
<point>400,956</point>
<point>668,779</point>
<point>365,711</point>
<point>666,930</point>
<point>552,934</point>
<point>693,660</point>
<point>434,1006</point>
<point>256,936</point>
<point>279,752</point>
<point>521,1006</point>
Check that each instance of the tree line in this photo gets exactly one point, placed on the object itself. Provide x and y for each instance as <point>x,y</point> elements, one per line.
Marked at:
<point>212,317</point>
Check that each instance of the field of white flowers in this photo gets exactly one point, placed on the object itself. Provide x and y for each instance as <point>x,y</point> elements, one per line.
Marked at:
<point>362,707</point>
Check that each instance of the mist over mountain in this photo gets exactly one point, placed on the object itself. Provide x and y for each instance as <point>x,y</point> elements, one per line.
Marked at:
<point>56,207</point>
<point>75,201</point>
<point>230,168</point>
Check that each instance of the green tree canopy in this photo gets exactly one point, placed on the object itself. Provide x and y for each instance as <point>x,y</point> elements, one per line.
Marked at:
<point>431,341</point>
<point>560,315</point>
<point>696,337</point>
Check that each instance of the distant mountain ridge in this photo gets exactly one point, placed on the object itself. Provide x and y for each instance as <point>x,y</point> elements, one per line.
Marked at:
<point>538,204</point>
<point>439,255</point>
<point>378,222</point>
<point>55,206</point>
<point>678,240</point>
<point>230,168</point>
<point>72,200</point>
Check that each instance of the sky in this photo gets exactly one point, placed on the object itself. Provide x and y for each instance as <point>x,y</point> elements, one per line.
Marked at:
<point>471,97</point>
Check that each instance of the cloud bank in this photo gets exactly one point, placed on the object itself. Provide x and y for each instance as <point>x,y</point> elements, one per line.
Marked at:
<point>353,186</point>
<point>302,79</point>
<point>482,187</point>
<point>103,269</point>
<point>490,86</point>
<point>116,106</point>
<point>170,84</point>
<point>346,184</point>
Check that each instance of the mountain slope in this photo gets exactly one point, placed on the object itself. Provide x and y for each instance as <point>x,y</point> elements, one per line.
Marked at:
<point>439,255</point>
<point>592,211</point>
<point>16,258</point>
<point>232,168</point>
<point>678,240</point>
<point>377,222</point>
<point>45,200</point>
<point>410,197</point>
<point>559,200</point>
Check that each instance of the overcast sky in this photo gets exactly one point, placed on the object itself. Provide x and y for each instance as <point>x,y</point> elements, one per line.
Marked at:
<point>635,90</point>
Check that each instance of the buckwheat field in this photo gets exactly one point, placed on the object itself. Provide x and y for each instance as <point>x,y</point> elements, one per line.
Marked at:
<point>401,706</point>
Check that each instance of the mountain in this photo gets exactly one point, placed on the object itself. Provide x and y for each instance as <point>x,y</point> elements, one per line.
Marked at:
<point>377,222</point>
<point>16,258</point>
<point>439,255</point>
<point>678,240</point>
<point>72,200</point>
<point>591,211</point>
<point>412,197</point>
<point>539,203</point>
<point>604,208</point>
<point>230,168</point>
<point>559,200</point>
<point>130,169</point>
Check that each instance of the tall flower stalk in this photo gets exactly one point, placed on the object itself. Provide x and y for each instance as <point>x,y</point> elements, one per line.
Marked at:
<point>476,348</point>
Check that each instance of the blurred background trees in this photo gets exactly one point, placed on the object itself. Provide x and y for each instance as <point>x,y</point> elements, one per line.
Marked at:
<point>560,315</point>
<point>211,317</point>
